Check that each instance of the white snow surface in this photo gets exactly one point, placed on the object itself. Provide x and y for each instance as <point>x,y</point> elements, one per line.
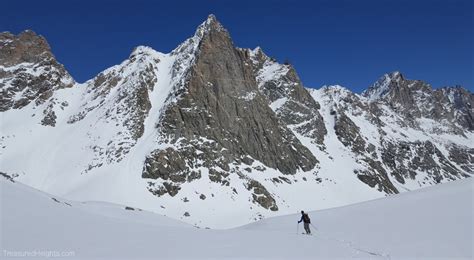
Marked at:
<point>434,222</point>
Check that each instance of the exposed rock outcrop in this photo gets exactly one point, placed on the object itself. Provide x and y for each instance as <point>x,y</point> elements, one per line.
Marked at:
<point>221,103</point>
<point>29,72</point>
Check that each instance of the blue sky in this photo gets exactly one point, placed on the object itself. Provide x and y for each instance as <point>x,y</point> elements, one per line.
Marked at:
<point>351,43</point>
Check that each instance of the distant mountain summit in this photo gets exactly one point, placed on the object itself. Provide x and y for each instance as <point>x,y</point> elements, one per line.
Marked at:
<point>218,135</point>
<point>384,86</point>
<point>416,99</point>
<point>29,71</point>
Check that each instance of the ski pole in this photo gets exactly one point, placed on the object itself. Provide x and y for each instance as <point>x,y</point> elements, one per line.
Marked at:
<point>297,228</point>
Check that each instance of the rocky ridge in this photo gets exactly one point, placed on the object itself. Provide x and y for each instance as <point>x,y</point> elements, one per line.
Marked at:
<point>29,73</point>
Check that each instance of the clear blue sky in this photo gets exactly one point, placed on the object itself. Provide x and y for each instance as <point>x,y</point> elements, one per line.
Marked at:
<point>351,43</point>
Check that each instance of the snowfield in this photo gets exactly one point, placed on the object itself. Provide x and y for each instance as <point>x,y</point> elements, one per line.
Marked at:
<point>434,222</point>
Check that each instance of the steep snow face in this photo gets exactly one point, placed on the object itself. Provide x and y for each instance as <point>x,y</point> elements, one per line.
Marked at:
<point>430,223</point>
<point>96,123</point>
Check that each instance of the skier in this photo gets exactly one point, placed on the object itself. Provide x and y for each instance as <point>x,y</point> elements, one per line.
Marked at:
<point>306,222</point>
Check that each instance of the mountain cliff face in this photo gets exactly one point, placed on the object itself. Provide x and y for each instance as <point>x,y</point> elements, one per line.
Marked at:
<point>416,99</point>
<point>218,135</point>
<point>222,120</point>
<point>398,147</point>
<point>288,98</point>
<point>29,73</point>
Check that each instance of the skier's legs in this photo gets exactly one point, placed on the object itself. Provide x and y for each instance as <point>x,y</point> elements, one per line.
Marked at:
<point>306,228</point>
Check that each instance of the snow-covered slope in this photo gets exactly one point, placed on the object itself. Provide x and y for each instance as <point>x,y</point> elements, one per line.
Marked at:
<point>430,223</point>
<point>220,136</point>
<point>391,153</point>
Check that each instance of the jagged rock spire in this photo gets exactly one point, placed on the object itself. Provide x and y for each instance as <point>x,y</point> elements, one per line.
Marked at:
<point>30,72</point>
<point>211,24</point>
<point>383,85</point>
<point>24,47</point>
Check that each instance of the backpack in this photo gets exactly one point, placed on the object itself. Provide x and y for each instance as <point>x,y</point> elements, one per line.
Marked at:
<point>306,218</point>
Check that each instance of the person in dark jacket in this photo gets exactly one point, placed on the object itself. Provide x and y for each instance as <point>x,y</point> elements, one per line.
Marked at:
<point>306,221</point>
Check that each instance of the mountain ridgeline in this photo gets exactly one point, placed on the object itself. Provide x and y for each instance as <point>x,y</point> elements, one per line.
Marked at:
<point>211,130</point>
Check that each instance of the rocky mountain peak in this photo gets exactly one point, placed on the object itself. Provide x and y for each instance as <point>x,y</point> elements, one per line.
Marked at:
<point>257,49</point>
<point>455,91</point>
<point>143,51</point>
<point>462,101</point>
<point>210,25</point>
<point>335,88</point>
<point>259,59</point>
<point>288,98</point>
<point>221,102</point>
<point>258,54</point>
<point>28,71</point>
<point>187,52</point>
<point>395,76</point>
<point>416,101</point>
<point>383,85</point>
<point>24,47</point>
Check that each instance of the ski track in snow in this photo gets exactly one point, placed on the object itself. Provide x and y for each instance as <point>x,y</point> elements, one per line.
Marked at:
<point>351,245</point>
<point>103,230</point>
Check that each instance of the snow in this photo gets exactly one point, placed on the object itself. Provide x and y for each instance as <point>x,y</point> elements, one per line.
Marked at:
<point>277,104</point>
<point>434,222</point>
<point>6,41</point>
<point>147,51</point>
<point>35,70</point>
<point>249,96</point>
<point>427,223</point>
<point>16,67</point>
<point>204,27</point>
<point>270,70</point>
